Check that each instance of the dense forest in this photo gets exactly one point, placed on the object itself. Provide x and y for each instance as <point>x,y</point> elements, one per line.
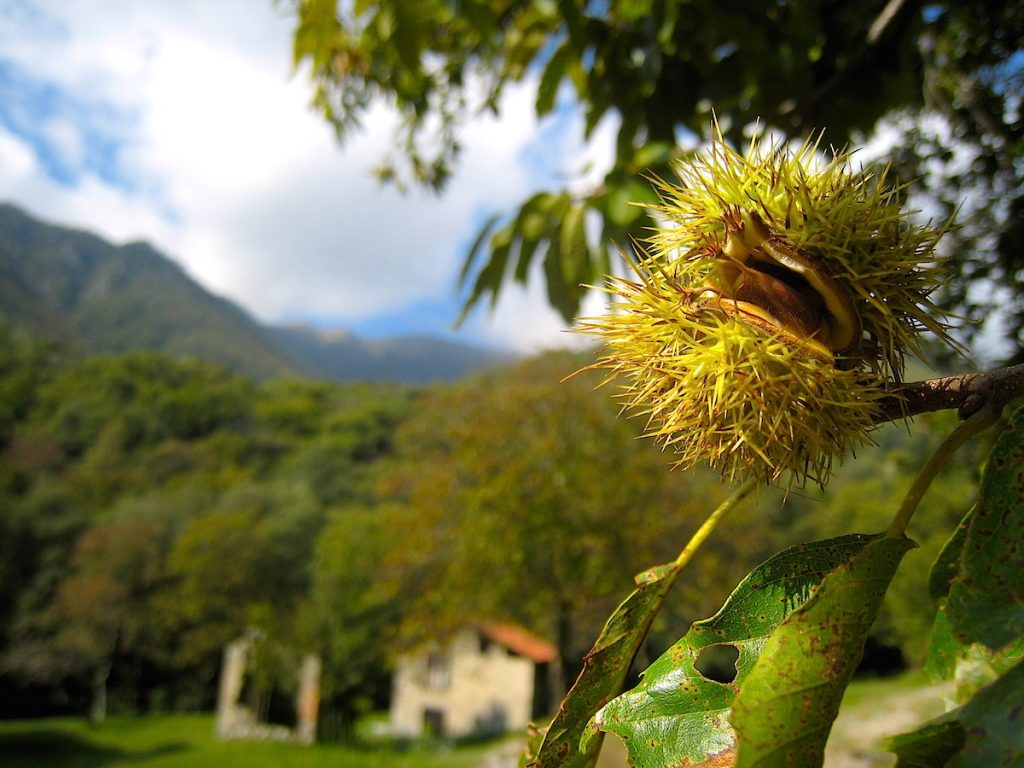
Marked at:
<point>157,508</point>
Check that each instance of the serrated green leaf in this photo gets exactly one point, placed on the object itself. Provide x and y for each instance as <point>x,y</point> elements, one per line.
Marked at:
<point>973,665</point>
<point>477,245</point>
<point>947,564</point>
<point>555,70</point>
<point>494,272</point>
<point>534,742</point>
<point>784,710</point>
<point>572,229</point>
<point>480,15</point>
<point>986,599</point>
<point>678,717</point>
<point>490,278</point>
<point>535,223</point>
<point>575,252</point>
<point>620,205</point>
<point>606,665</point>
<point>578,76</point>
<point>987,732</point>
<point>530,227</point>
<point>931,746</point>
<point>566,260</point>
<point>559,294</point>
<point>534,220</point>
<point>604,670</point>
<point>944,650</point>
<point>573,18</point>
<point>527,250</point>
<point>651,154</point>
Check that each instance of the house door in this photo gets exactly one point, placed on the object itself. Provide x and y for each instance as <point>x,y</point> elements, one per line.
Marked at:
<point>433,722</point>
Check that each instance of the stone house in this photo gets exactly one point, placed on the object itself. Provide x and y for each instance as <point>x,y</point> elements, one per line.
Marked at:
<point>239,701</point>
<point>485,680</point>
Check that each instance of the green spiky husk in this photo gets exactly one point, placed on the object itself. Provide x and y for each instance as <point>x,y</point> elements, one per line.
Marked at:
<point>718,385</point>
<point>715,388</point>
<point>850,222</point>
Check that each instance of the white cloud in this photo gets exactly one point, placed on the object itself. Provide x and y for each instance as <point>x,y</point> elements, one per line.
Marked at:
<point>106,210</point>
<point>235,177</point>
<point>18,166</point>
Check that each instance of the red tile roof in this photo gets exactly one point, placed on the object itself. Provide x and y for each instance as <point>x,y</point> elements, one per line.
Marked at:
<point>520,641</point>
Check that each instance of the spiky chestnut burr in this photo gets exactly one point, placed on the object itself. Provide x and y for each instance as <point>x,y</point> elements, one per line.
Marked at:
<point>771,309</point>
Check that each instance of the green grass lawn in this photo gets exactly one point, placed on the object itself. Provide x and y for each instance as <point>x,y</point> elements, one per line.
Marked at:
<point>187,741</point>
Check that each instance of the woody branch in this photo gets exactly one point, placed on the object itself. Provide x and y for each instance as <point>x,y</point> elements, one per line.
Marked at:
<point>968,393</point>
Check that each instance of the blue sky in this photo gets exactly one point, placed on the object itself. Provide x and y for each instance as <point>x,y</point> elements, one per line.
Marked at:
<point>181,122</point>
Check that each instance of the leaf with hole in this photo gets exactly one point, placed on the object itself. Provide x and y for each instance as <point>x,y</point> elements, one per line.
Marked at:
<point>679,717</point>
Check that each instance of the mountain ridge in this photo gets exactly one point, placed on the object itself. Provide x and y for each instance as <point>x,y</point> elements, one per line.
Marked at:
<point>73,286</point>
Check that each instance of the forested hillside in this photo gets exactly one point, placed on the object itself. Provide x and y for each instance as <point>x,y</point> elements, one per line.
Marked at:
<point>154,509</point>
<point>72,286</point>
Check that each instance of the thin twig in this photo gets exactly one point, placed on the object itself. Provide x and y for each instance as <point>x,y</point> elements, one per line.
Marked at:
<point>968,393</point>
<point>713,520</point>
<point>977,423</point>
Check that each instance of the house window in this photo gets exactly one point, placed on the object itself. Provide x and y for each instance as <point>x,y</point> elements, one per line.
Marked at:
<point>438,671</point>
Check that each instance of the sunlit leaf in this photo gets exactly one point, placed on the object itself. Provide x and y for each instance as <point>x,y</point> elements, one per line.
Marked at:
<point>986,599</point>
<point>785,708</point>
<point>679,717</point>
<point>534,740</point>
<point>488,279</point>
<point>493,275</point>
<point>619,206</point>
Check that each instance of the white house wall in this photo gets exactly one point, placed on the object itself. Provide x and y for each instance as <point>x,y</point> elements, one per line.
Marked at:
<point>484,693</point>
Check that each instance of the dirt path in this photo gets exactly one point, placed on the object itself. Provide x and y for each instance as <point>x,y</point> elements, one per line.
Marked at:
<point>859,729</point>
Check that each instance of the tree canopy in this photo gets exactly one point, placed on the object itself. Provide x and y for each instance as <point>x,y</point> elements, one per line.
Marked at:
<point>660,69</point>
<point>545,524</point>
<point>155,509</point>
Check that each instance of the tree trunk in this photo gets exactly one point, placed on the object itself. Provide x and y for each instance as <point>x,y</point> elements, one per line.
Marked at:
<point>98,705</point>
